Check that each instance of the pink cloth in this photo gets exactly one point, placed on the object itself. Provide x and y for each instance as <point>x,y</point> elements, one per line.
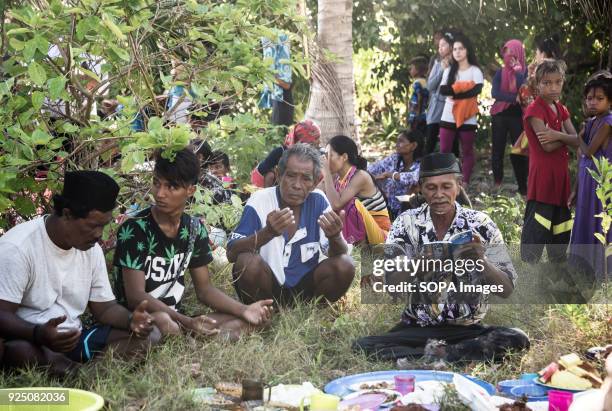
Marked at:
<point>354,229</point>
<point>513,53</point>
<point>466,137</point>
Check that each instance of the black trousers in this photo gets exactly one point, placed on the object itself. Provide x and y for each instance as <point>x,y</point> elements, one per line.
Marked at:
<point>508,128</point>
<point>282,111</point>
<point>464,343</point>
<point>432,137</point>
<point>545,225</point>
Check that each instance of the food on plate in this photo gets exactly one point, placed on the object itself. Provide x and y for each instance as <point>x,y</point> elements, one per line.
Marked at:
<point>571,373</point>
<point>291,395</point>
<point>229,388</point>
<point>570,360</point>
<point>515,406</point>
<point>570,381</point>
<point>547,373</point>
<point>389,396</point>
<point>392,396</point>
<point>409,407</point>
<point>209,396</point>
<point>378,385</point>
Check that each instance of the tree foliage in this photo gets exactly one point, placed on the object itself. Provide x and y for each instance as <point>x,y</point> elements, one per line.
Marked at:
<point>212,47</point>
<point>404,30</point>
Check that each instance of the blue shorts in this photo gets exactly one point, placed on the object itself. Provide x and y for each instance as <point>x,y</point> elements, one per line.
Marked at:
<point>93,341</point>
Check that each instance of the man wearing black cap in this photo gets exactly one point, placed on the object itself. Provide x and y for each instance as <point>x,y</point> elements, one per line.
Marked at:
<point>52,269</point>
<point>448,330</point>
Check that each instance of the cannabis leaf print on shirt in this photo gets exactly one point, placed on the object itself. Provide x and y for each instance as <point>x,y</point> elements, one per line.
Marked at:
<point>129,263</point>
<point>125,233</point>
<point>162,260</point>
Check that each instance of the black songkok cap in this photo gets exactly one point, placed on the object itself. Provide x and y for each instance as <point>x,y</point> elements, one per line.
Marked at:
<point>91,189</point>
<point>436,164</point>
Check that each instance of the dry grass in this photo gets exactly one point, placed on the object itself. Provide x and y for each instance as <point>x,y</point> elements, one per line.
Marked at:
<point>309,344</point>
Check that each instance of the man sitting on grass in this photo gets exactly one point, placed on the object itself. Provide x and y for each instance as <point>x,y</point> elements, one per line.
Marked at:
<point>277,244</point>
<point>52,269</point>
<point>450,331</point>
<point>156,247</point>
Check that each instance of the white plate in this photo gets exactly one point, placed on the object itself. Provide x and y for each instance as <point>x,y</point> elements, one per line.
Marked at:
<point>358,386</point>
<point>363,392</point>
<point>538,405</point>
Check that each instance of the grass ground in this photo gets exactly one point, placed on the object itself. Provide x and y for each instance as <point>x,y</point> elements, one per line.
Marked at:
<point>310,343</point>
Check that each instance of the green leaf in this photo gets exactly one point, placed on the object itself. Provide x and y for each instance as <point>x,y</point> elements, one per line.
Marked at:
<point>41,44</point>
<point>242,69</point>
<point>25,206</point>
<point>82,28</point>
<point>40,138</point>
<point>17,45</point>
<point>29,50</point>
<point>38,99</point>
<point>16,161</point>
<point>56,86</point>
<point>20,30</point>
<point>107,21</point>
<point>5,87</point>
<point>120,52</point>
<point>37,73</point>
<point>237,85</point>
<point>89,74</point>
<point>27,152</point>
<point>69,128</point>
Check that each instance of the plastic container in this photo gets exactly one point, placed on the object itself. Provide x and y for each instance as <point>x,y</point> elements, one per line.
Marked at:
<point>324,402</point>
<point>404,384</point>
<point>559,400</point>
<point>505,386</point>
<point>532,392</point>
<point>78,400</point>
<point>529,376</point>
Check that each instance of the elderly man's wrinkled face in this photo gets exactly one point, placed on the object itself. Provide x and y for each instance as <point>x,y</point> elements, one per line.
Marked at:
<point>297,181</point>
<point>440,193</point>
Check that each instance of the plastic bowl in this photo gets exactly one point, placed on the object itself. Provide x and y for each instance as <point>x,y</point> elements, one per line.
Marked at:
<point>533,392</point>
<point>529,376</point>
<point>505,386</point>
<point>78,400</point>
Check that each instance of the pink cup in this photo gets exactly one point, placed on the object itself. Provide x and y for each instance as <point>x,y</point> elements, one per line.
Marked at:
<point>559,400</point>
<point>404,383</point>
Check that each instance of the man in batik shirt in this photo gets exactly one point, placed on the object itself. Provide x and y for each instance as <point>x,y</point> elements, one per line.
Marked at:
<point>449,330</point>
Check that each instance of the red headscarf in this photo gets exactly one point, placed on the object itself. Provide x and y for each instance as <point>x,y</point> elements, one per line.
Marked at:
<point>303,132</point>
<point>513,53</point>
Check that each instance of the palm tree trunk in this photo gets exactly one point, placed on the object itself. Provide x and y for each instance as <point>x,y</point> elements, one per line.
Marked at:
<point>610,48</point>
<point>332,92</point>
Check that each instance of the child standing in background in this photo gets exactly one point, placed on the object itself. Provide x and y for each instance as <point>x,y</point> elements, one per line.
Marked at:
<point>419,96</point>
<point>585,249</point>
<point>547,123</point>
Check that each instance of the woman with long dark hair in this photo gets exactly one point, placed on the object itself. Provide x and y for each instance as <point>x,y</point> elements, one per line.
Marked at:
<point>398,174</point>
<point>436,100</point>
<point>461,83</point>
<point>350,187</point>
